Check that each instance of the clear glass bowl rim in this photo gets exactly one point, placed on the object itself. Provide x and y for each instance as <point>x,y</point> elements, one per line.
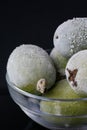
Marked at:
<point>41,97</point>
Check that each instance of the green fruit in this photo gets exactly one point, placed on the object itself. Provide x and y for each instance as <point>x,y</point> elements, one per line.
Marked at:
<point>76,72</point>
<point>74,108</point>
<point>59,61</point>
<point>71,36</point>
<point>30,68</point>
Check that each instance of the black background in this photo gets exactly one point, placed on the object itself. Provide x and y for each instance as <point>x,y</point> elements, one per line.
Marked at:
<point>28,22</point>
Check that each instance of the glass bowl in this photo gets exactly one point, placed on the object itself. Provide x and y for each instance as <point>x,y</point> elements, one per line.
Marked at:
<point>31,105</point>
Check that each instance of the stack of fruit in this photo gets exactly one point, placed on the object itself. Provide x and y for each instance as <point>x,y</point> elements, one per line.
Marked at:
<point>60,75</point>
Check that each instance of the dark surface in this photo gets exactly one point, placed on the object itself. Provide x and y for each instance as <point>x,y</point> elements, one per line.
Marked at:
<point>31,22</point>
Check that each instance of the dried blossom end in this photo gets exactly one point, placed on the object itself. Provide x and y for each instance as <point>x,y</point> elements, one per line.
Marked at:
<point>41,86</point>
<point>72,75</point>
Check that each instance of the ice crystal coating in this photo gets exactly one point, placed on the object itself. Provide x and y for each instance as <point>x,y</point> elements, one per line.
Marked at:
<point>27,64</point>
<point>59,61</point>
<point>76,72</point>
<point>71,36</point>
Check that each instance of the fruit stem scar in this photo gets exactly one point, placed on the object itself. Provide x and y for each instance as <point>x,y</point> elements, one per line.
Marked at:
<point>41,86</point>
<point>72,75</point>
<point>57,37</point>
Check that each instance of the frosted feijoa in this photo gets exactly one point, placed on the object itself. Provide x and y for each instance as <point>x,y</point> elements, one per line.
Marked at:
<point>76,72</point>
<point>59,61</point>
<point>30,68</point>
<point>71,36</point>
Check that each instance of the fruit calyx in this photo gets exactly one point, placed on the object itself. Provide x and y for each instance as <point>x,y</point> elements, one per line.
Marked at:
<point>41,86</point>
<point>72,75</point>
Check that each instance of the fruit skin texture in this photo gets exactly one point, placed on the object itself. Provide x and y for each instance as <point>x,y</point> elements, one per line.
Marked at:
<point>27,64</point>
<point>59,61</point>
<point>62,90</point>
<point>76,72</point>
<point>71,36</point>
